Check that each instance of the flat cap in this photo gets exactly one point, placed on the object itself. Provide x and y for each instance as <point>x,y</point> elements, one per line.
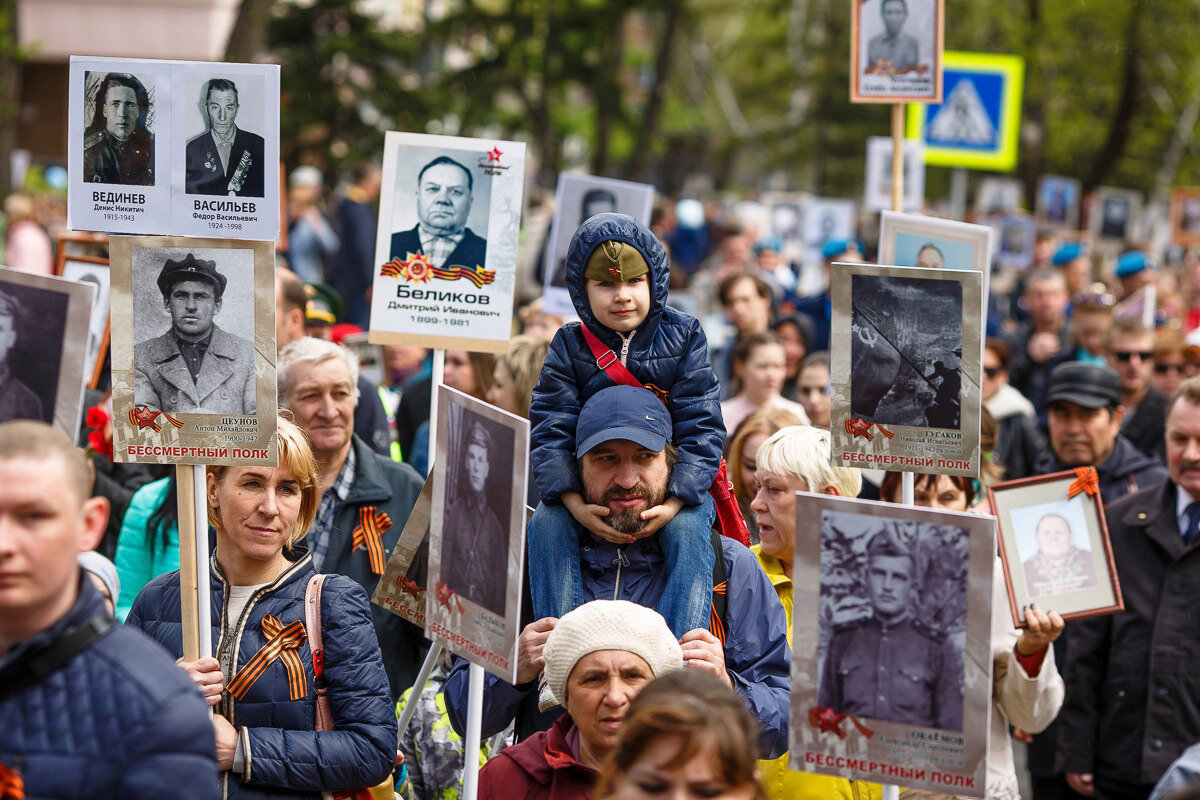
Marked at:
<point>190,268</point>
<point>1087,385</point>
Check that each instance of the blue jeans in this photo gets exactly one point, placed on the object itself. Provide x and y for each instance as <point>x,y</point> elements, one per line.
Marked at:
<point>556,578</point>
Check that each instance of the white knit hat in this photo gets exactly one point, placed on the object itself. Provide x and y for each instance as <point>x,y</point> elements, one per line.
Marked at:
<point>608,625</point>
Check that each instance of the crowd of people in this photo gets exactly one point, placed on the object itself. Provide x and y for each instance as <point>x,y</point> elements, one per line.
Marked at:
<point>654,656</point>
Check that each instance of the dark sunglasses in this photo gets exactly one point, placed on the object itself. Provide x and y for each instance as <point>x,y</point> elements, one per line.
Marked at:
<point>992,372</point>
<point>1163,369</point>
<point>1125,355</point>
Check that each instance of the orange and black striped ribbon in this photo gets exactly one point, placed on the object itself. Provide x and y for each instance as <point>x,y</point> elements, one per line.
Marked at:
<point>282,644</point>
<point>715,626</point>
<point>369,534</point>
<point>12,785</point>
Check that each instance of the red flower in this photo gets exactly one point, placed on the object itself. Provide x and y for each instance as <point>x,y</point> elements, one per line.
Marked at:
<point>99,444</point>
<point>96,417</point>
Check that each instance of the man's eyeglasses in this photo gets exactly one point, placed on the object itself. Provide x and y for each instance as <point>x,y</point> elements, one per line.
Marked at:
<point>1163,369</point>
<point>1125,355</point>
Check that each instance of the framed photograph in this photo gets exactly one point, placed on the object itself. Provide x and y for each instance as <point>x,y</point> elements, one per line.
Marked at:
<point>43,348</point>
<point>910,240</point>
<point>446,252</point>
<point>81,243</point>
<point>173,147</point>
<point>997,196</point>
<point>1185,215</point>
<point>896,598</point>
<point>1115,214</point>
<point>578,198</point>
<point>193,351</point>
<point>906,350</point>
<point>1058,202</point>
<point>1018,237</point>
<point>1054,545</point>
<point>878,193</point>
<point>827,219</point>
<point>896,51</point>
<point>93,270</point>
<point>477,532</point>
<point>786,217</point>
<point>401,589</point>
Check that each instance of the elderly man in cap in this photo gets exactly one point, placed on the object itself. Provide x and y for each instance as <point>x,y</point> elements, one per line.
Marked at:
<point>17,401</point>
<point>891,666</point>
<point>598,658</point>
<point>1132,700</point>
<point>1084,418</point>
<point>1084,415</point>
<point>195,367</point>
<point>625,457</point>
<point>478,546</point>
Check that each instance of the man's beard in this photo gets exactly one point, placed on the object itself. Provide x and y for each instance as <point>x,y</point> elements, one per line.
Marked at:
<point>626,520</point>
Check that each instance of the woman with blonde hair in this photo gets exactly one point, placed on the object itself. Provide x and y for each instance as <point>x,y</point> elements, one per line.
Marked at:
<point>740,453</point>
<point>515,374</point>
<point>685,735</point>
<point>264,679</point>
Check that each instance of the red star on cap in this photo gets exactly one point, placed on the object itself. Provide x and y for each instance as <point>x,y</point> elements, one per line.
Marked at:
<point>494,154</point>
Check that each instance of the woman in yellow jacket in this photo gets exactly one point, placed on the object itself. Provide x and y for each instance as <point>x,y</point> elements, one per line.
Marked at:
<point>796,459</point>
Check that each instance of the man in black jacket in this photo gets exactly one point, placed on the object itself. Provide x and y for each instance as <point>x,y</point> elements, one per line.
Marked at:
<point>1085,414</point>
<point>88,707</point>
<point>225,159</point>
<point>1130,352</point>
<point>1133,700</point>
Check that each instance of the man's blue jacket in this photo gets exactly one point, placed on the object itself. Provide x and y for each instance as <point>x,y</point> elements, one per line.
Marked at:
<point>756,650</point>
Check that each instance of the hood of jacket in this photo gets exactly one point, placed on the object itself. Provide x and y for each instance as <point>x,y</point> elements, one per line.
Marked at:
<point>618,228</point>
<point>541,755</point>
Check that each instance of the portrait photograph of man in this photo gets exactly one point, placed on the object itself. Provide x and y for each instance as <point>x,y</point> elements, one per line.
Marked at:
<point>226,159</point>
<point>593,202</point>
<point>475,535</point>
<point>193,332</point>
<point>892,48</point>
<point>1114,217</point>
<point>896,50</point>
<point>1058,201</point>
<point>28,382</point>
<point>118,143</point>
<point>449,197</point>
<point>892,641</point>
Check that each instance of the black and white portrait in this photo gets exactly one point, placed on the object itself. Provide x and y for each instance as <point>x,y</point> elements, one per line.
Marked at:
<point>878,194</point>
<point>827,220</point>
<point>893,615</point>
<point>906,351</point>
<point>97,273</point>
<point>478,500</point>
<point>32,323</point>
<point>226,153</point>
<point>118,142</point>
<point>440,207</point>
<point>1018,236</point>
<point>193,330</point>
<point>898,49</point>
<point>581,197</point>
<point>998,196</point>
<point>1114,217</point>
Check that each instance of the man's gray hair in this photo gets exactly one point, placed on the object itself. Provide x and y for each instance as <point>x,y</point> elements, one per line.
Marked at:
<point>307,350</point>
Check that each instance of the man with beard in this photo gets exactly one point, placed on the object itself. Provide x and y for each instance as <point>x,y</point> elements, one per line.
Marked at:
<point>625,459</point>
<point>475,543</point>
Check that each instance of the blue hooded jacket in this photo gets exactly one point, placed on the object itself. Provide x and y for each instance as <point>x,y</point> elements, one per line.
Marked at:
<point>285,756</point>
<point>668,350</point>
<point>757,657</point>
<point>118,720</point>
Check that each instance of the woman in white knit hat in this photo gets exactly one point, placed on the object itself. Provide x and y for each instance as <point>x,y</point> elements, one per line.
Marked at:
<point>598,657</point>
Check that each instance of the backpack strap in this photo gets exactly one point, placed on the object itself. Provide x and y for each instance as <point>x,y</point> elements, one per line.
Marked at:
<point>720,594</point>
<point>607,360</point>
<point>312,622</point>
<point>73,642</point>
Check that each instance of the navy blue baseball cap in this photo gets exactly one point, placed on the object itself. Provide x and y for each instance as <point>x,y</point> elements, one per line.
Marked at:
<point>628,413</point>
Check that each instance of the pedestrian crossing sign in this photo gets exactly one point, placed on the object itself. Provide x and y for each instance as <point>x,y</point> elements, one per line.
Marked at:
<point>979,120</point>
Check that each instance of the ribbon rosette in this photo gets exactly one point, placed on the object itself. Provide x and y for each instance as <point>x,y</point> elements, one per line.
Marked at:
<point>1087,480</point>
<point>861,427</point>
<point>369,534</point>
<point>826,720</point>
<point>282,644</point>
<point>445,594</point>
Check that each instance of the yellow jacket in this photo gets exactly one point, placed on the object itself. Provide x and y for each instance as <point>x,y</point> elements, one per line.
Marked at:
<point>780,782</point>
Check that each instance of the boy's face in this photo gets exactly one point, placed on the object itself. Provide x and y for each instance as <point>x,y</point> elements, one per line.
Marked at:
<point>620,305</point>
